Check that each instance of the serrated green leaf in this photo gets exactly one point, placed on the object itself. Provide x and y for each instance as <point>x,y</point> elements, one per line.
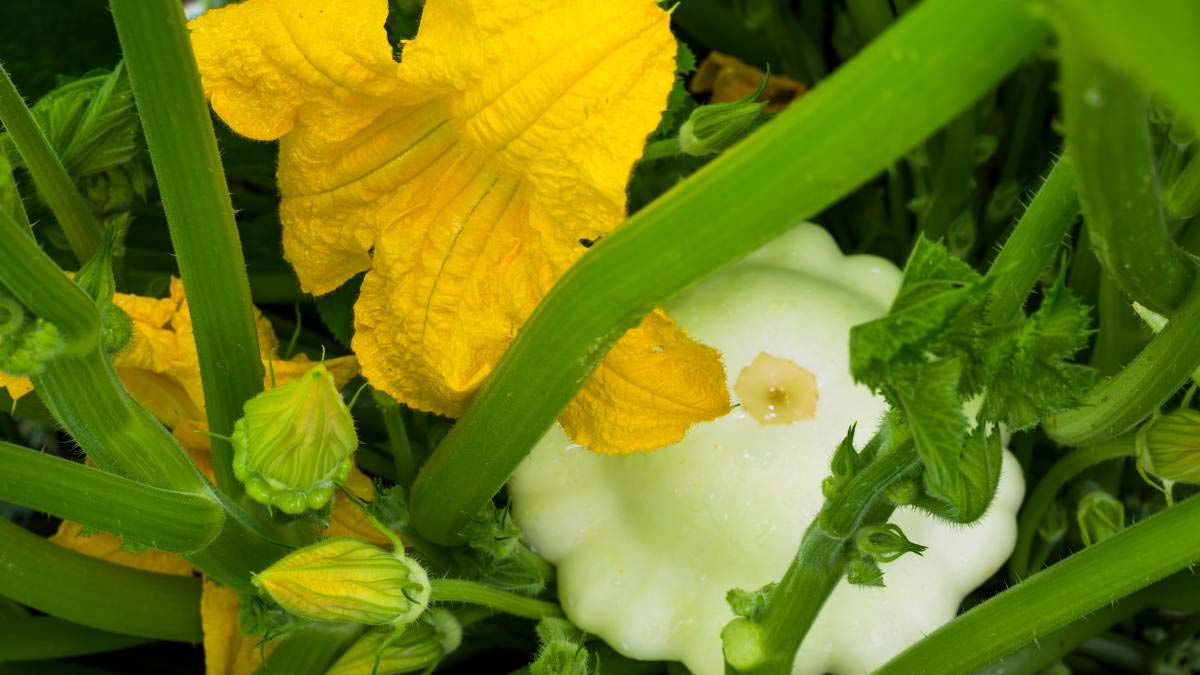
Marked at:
<point>1037,378</point>
<point>979,471</point>
<point>928,398</point>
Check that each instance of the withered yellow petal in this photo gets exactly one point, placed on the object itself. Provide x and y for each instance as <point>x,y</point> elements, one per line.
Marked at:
<point>650,388</point>
<point>227,650</point>
<point>105,546</point>
<point>467,186</point>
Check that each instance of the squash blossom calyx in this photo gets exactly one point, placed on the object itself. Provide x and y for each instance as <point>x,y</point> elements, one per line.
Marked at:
<point>295,443</point>
<point>345,580</point>
<point>1169,447</point>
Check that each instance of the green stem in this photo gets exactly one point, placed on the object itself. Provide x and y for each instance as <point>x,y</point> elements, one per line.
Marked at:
<point>821,560</point>
<point>95,593</point>
<point>1042,497</point>
<point>187,166</point>
<point>927,68</point>
<point>165,519</point>
<point>1183,199</point>
<point>45,637</point>
<point>1152,42</point>
<point>402,452</point>
<point>475,593</point>
<point>33,278</point>
<point>1119,403</point>
<point>1108,138</point>
<point>668,147</point>
<point>86,397</point>
<point>1121,333</point>
<point>953,179</point>
<point>53,183</point>
<point>1034,240</point>
<point>1074,587</point>
<point>311,650</point>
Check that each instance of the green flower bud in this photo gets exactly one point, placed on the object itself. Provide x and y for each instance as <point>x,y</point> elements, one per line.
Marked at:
<point>711,129</point>
<point>903,492</point>
<point>742,643</point>
<point>885,543</point>
<point>116,329</point>
<point>1100,516</point>
<point>1054,525</point>
<point>420,647</point>
<point>750,604</point>
<point>346,580</point>
<point>295,443</point>
<point>1168,447</point>
<point>561,651</point>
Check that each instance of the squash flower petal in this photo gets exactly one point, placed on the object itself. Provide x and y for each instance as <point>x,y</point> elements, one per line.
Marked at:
<point>465,180</point>
<point>227,650</point>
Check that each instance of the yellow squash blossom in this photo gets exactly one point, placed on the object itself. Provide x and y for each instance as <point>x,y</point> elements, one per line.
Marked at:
<point>466,179</point>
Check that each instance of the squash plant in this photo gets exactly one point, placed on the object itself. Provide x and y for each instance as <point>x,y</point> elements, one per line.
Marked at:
<point>366,336</point>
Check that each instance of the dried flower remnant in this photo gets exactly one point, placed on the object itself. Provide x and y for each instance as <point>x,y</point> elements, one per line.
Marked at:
<point>777,391</point>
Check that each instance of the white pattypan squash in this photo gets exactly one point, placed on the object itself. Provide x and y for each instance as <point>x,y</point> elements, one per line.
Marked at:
<point>647,545</point>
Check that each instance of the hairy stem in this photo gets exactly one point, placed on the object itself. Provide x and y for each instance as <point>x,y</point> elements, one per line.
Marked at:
<point>475,593</point>
<point>53,183</point>
<point>187,166</point>
<point>1039,501</point>
<point>1085,582</point>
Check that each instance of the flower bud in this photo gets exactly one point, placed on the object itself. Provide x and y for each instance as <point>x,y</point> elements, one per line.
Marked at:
<point>863,570</point>
<point>1100,516</point>
<point>1169,447</point>
<point>345,580</point>
<point>711,129</point>
<point>418,648</point>
<point>885,543</point>
<point>295,443</point>
<point>742,643</point>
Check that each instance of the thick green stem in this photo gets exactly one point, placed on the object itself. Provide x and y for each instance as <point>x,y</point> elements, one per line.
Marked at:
<point>475,593</point>
<point>1034,241</point>
<point>33,278</point>
<point>36,638</point>
<point>402,453</point>
<point>95,593</point>
<point>165,519</point>
<point>1152,42</point>
<point>1183,199</point>
<point>1085,582</point>
<point>821,560</point>
<point>1042,498</point>
<point>86,397</point>
<point>1108,138</point>
<point>926,69</point>
<point>1119,403</point>
<point>53,182</point>
<point>187,166</point>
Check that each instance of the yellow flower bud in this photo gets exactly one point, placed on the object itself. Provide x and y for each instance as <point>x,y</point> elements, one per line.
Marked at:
<point>346,580</point>
<point>1169,447</point>
<point>295,443</point>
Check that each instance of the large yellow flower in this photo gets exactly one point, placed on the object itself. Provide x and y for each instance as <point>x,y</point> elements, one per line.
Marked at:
<point>466,179</point>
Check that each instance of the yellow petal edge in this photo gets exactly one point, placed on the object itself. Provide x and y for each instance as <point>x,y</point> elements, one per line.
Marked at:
<point>464,180</point>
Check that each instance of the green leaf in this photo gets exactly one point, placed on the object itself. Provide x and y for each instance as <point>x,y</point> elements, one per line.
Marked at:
<point>937,311</point>
<point>928,398</point>
<point>979,475</point>
<point>1038,379</point>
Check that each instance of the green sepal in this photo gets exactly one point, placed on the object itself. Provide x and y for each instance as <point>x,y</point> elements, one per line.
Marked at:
<point>863,570</point>
<point>750,604</point>
<point>495,555</point>
<point>295,443</point>
<point>562,650</point>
